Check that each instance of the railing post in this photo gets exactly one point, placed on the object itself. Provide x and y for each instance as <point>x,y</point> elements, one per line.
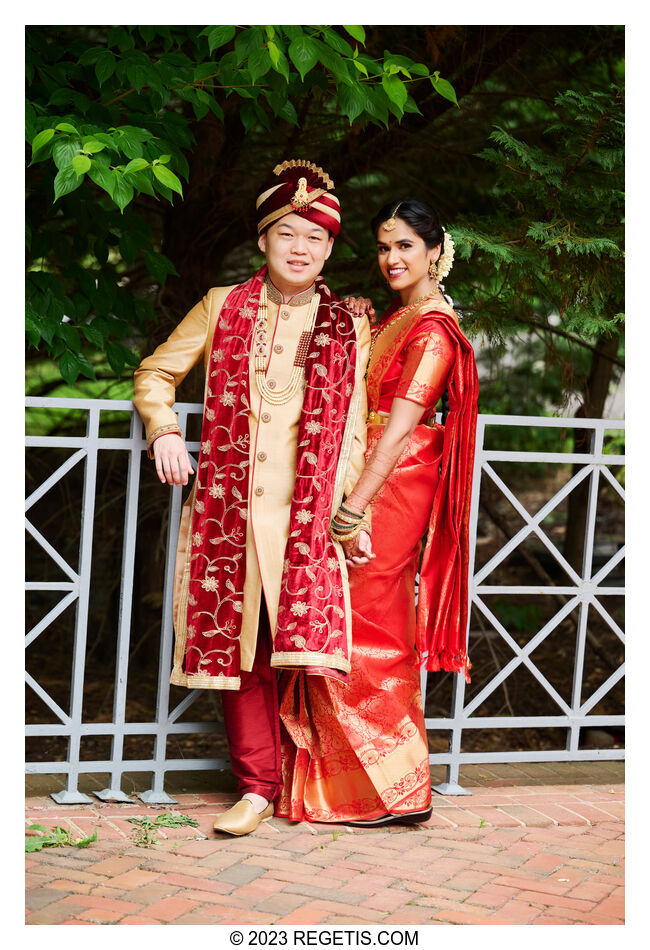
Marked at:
<point>157,795</point>
<point>114,792</point>
<point>72,795</point>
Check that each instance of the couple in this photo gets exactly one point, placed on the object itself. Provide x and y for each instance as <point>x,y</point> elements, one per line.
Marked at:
<point>294,450</point>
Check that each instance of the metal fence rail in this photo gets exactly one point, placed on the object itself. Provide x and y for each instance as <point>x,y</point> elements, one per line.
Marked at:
<point>583,591</point>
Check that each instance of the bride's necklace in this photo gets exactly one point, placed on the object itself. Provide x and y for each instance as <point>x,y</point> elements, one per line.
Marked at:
<point>281,396</point>
<point>401,313</point>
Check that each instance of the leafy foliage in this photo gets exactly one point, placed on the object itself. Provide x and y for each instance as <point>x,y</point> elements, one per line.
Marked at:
<point>144,834</point>
<point>111,119</point>
<point>554,234</point>
<point>57,837</point>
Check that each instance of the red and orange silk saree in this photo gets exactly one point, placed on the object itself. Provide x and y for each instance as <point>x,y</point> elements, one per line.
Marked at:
<point>358,750</point>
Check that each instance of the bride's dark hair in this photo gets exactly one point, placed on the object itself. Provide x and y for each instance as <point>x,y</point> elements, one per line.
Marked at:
<point>418,214</point>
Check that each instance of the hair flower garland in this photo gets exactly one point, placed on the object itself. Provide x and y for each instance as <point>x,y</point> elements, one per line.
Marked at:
<point>446,259</point>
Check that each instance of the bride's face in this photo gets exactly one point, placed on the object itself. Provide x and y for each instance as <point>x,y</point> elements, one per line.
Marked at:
<point>403,256</point>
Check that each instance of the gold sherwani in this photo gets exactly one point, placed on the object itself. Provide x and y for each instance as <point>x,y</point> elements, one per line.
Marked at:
<point>273,442</point>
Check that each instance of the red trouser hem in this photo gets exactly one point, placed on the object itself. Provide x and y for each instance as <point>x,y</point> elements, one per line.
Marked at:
<point>252,720</point>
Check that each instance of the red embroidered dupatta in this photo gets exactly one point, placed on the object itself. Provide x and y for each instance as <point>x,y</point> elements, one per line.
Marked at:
<point>442,611</point>
<point>312,615</point>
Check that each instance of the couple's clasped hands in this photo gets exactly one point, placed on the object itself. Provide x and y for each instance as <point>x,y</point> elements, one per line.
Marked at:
<point>358,306</point>
<point>174,466</point>
<point>358,551</point>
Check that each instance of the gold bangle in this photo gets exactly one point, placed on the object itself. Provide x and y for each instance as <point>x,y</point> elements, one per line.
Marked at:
<point>353,514</point>
<point>337,536</point>
<point>343,519</point>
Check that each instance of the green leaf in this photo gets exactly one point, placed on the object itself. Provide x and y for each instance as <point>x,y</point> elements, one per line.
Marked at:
<point>166,177</point>
<point>137,165</point>
<point>141,181</point>
<point>102,176</point>
<point>129,247</point>
<point>401,62</point>
<point>115,357</point>
<point>66,181</point>
<point>248,41</point>
<point>71,336</point>
<point>159,266</point>
<point>444,88</point>
<point>357,33</point>
<point>41,140</point>
<point>92,145</point>
<point>93,335</point>
<point>411,106</point>
<point>289,113</point>
<point>303,53</point>
<point>84,842</point>
<point>337,42</point>
<point>32,326</point>
<point>81,164</point>
<point>130,143</point>
<point>274,53</point>
<point>395,90</point>
<point>119,356</point>
<point>34,843</point>
<point>218,35</point>
<point>66,127</point>
<point>64,151</point>
<point>376,106</point>
<point>69,366</point>
<point>360,66</point>
<point>259,63</point>
<point>106,140</point>
<point>279,61</point>
<point>352,101</point>
<point>122,191</point>
<point>104,66</point>
<point>164,159</point>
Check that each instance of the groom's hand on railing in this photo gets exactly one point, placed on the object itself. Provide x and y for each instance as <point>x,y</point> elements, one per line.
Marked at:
<point>173,464</point>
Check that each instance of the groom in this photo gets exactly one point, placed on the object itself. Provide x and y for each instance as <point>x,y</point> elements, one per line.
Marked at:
<point>260,585</point>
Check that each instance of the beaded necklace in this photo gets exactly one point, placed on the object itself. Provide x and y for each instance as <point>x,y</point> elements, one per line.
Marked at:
<point>395,319</point>
<point>281,396</point>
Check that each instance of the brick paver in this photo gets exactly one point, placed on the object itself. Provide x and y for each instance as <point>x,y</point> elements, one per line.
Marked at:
<point>542,852</point>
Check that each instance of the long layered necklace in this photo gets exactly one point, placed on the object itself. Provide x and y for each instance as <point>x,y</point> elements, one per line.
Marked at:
<point>281,396</point>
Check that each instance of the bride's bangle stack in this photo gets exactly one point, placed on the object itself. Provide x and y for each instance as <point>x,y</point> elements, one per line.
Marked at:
<point>347,524</point>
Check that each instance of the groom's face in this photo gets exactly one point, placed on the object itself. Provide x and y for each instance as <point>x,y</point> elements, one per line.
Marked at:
<point>296,250</point>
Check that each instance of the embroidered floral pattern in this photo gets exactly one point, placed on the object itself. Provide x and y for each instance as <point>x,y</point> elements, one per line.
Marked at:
<point>311,611</point>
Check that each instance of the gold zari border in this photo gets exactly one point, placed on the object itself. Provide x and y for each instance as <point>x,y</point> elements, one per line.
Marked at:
<point>203,681</point>
<point>293,660</point>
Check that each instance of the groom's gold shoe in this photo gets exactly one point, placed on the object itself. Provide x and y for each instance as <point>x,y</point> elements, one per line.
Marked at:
<point>242,818</point>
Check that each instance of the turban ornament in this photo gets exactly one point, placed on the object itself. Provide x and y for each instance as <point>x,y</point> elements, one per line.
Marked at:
<point>303,188</point>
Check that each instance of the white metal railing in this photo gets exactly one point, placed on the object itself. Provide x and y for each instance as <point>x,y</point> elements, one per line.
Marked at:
<point>583,591</point>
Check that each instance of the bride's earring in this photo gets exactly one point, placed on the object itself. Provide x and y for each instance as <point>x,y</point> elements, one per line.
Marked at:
<point>433,270</point>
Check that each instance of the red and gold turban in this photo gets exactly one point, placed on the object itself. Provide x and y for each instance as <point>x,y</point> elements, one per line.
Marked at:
<point>302,188</point>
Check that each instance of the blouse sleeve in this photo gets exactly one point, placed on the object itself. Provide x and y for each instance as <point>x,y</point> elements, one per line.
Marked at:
<point>430,356</point>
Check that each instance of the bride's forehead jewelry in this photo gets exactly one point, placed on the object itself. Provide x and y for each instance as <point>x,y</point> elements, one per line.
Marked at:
<point>390,224</point>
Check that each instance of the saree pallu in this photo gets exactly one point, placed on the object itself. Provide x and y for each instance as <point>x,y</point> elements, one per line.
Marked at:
<point>359,750</point>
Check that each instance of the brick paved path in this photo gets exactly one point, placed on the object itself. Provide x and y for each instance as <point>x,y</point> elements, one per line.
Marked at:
<point>538,854</point>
